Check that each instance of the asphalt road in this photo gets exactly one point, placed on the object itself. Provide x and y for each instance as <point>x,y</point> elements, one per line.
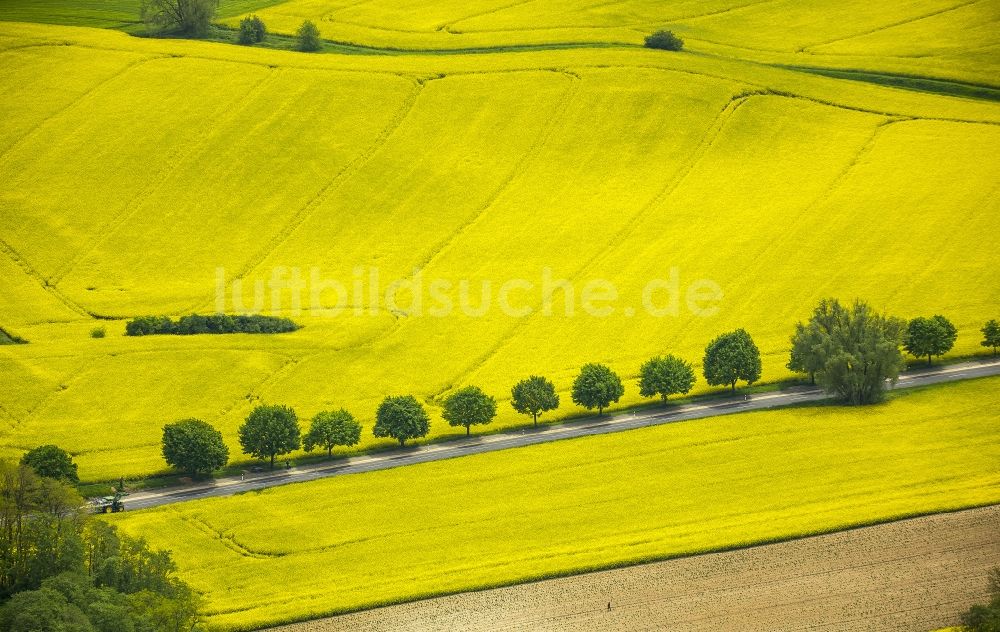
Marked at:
<point>531,436</point>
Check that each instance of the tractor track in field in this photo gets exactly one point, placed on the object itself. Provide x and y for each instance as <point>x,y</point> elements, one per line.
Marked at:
<point>179,158</point>
<point>912,574</point>
<point>961,5</point>
<point>359,161</point>
<point>708,140</point>
<point>40,278</point>
<point>76,101</point>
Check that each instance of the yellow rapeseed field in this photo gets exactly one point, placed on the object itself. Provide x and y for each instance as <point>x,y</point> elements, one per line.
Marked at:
<point>133,170</point>
<point>942,38</point>
<point>305,550</point>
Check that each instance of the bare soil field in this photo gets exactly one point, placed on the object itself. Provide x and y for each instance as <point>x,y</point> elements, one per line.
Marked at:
<point>916,574</point>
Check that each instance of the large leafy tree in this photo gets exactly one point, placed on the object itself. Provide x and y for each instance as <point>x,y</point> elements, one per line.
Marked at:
<point>194,446</point>
<point>309,37</point>
<point>806,356</point>
<point>270,431</point>
<point>598,387</point>
<point>469,406</point>
<point>665,376</point>
<point>534,396</point>
<point>51,461</point>
<point>991,335</point>
<point>856,350</point>
<point>732,357</point>
<point>402,418</point>
<point>928,337</point>
<point>330,429</point>
<point>187,17</point>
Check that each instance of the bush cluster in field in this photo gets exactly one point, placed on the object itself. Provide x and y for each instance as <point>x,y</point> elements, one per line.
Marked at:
<point>10,339</point>
<point>210,324</point>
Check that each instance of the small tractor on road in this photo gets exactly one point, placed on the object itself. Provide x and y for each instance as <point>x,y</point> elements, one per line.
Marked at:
<point>113,503</point>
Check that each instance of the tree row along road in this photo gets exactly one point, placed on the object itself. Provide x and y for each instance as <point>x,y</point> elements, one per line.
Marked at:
<point>530,436</point>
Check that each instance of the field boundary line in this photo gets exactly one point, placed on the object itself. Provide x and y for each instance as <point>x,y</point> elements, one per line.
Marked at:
<point>587,569</point>
<point>78,369</point>
<point>253,392</point>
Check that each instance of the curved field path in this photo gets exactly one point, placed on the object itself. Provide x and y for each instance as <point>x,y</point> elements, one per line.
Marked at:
<point>916,574</point>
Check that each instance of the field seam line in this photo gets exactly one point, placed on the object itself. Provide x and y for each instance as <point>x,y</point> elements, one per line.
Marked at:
<point>359,161</point>
<point>222,115</point>
<point>899,115</point>
<point>74,103</point>
<point>678,177</point>
<point>961,5</point>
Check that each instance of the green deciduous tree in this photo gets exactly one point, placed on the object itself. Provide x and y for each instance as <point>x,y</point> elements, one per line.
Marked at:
<point>807,356</point>
<point>308,37</point>
<point>469,406</point>
<point>402,418</point>
<point>51,461</point>
<point>193,446</point>
<point>597,386</point>
<point>732,357</point>
<point>330,429</point>
<point>269,431</point>
<point>252,30</point>
<point>664,40</point>
<point>665,376</point>
<point>991,335</point>
<point>857,350</point>
<point>188,17</point>
<point>534,396</point>
<point>928,337</point>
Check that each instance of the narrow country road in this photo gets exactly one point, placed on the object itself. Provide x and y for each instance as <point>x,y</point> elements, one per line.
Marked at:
<point>530,436</point>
